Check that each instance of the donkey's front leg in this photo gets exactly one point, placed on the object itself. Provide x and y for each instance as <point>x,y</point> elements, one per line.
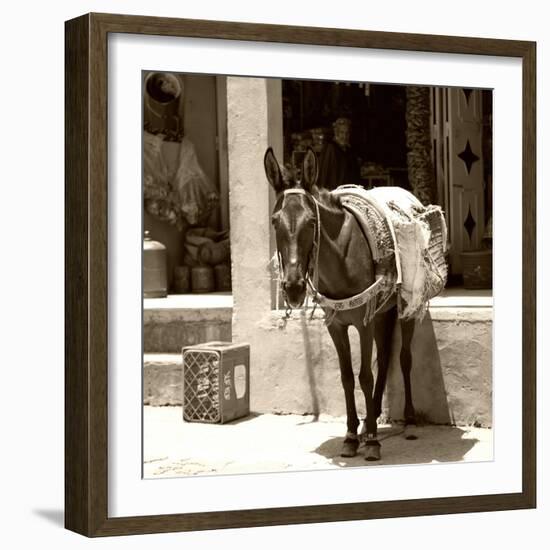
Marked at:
<point>339,335</point>
<point>372,446</point>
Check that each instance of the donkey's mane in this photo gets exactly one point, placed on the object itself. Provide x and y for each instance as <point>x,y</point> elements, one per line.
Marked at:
<point>328,199</point>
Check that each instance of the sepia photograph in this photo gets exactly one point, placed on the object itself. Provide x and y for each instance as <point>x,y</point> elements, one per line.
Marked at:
<point>317,274</point>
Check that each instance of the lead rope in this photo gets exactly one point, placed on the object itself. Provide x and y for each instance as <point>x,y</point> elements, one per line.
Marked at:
<point>313,274</point>
<point>315,285</point>
<point>313,280</point>
<point>288,309</point>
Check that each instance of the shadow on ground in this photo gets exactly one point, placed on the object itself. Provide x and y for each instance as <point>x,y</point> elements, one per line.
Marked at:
<point>434,444</point>
<point>244,419</point>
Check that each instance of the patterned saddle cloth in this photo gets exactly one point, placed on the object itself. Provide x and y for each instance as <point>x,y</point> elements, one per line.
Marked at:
<point>408,242</point>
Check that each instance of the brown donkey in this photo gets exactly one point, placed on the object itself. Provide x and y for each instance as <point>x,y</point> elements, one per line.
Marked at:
<point>321,243</point>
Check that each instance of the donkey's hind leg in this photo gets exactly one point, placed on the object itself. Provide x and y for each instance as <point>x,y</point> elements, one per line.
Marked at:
<point>384,324</point>
<point>407,331</point>
<point>340,337</point>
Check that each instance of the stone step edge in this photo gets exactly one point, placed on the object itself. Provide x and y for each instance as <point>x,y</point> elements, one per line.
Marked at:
<point>153,358</point>
<point>162,379</point>
<point>197,315</point>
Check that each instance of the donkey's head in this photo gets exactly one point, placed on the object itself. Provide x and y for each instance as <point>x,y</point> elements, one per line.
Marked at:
<point>294,221</point>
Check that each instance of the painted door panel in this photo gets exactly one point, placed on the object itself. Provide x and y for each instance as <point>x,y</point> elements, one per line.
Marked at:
<point>457,133</point>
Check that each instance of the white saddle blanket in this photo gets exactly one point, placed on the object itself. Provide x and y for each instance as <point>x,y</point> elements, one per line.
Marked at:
<point>412,236</point>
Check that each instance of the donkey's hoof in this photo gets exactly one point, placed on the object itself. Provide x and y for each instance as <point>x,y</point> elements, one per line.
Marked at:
<point>349,447</point>
<point>410,432</point>
<point>372,453</point>
<point>372,450</point>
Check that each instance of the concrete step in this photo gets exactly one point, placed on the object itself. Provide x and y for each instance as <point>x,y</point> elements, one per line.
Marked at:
<point>182,320</point>
<point>162,379</point>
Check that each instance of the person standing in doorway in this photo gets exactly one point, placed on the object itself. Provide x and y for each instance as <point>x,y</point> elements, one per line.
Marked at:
<point>338,164</point>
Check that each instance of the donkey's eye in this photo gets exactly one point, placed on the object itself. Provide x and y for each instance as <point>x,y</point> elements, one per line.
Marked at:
<point>274,219</point>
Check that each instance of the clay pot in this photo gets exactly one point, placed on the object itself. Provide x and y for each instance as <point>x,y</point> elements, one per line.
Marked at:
<point>182,279</point>
<point>222,273</point>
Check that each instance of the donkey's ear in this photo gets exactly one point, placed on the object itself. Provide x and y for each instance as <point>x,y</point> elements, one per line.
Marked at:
<point>310,170</point>
<point>273,171</point>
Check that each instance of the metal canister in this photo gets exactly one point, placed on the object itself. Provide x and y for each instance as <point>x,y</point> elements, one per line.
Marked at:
<point>155,280</point>
<point>202,279</point>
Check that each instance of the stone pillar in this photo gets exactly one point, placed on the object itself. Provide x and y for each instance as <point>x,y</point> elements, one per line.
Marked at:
<point>247,131</point>
<point>254,123</point>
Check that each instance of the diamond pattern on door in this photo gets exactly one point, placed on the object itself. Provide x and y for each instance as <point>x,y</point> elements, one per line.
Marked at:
<point>469,223</point>
<point>468,157</point>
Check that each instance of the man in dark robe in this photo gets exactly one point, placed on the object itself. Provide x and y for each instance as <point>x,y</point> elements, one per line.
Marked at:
<point>338,164</point>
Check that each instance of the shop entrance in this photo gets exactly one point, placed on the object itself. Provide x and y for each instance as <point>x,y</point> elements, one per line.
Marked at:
<point>376,115</point>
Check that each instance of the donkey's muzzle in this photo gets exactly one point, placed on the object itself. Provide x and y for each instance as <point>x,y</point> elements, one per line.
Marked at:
<point>295,291</point>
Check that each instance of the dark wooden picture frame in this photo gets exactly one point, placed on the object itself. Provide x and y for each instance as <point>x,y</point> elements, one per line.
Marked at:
<point>86,284</point>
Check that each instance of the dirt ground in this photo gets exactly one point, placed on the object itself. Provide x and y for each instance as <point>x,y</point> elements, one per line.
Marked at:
<point>273,443</point>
